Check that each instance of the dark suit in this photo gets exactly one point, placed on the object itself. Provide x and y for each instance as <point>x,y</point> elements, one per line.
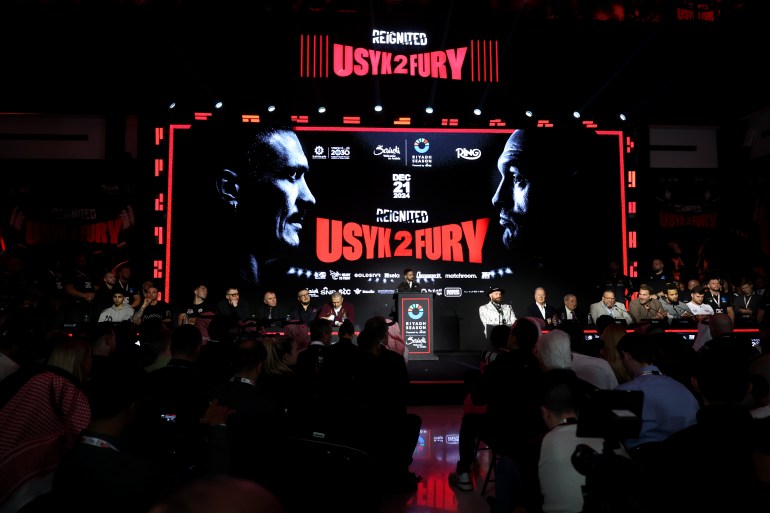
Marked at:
<point>533,311</point>
<point>565,314</point>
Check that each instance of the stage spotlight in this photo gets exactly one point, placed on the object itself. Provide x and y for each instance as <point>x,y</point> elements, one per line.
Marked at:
<point>321,109</point>
<point>429,110</point>
<point>378,108</point>
<point>172,105</point>
<point>271,108</point>
<point>622,117</point>
<point>576,115</point>
<point>477,112</point>
<point>218,105</point>
<point>528,113</point>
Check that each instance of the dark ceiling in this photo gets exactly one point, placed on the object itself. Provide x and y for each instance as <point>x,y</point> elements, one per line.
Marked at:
<point>81,58</point>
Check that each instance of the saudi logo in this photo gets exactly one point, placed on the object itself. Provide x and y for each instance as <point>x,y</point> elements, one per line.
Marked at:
<point>415,311</point>
<point>421,145</point>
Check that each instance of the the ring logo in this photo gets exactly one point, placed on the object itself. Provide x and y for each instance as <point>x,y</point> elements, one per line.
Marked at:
<point>452,439</point>
<point>464,153</point>
<point>453,292</point>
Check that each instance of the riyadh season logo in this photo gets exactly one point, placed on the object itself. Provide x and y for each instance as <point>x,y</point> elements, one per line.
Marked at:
<point>421,145</point>
<point>415,311</point>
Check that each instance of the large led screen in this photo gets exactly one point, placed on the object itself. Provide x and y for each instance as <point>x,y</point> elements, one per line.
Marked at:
<point>348,209</point>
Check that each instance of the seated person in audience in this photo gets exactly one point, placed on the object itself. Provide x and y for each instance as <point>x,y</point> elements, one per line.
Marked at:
<point>698,308</point>
<point>199,308</point>
<point>119,311</point>
<point>380,401</point>
<point>153,308</point>
<point>561,485</point>
<point>305,309</point>
<point>646,306</point>
<point>609,306</point>
<point>337,310</point>
<point>570,312</point>
<point>586,359</point>
<point>675,309</point>
<point>269,313</point>
<point>668,405</point>
<point>221,494</point>
<point>232,305</point>
<point>710,465</point>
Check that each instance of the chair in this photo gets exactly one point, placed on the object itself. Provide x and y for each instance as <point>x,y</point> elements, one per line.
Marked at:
<point>330,476</point>
<point>482,445</point>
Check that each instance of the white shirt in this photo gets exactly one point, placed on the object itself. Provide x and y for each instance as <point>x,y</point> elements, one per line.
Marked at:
<point>702,309</point>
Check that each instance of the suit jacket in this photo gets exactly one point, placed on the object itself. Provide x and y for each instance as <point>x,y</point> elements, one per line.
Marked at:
<point>404,287</point>
<point>534,311</point>
<point>567,316</point>
<point>347,311</point>
<point>619,311</point>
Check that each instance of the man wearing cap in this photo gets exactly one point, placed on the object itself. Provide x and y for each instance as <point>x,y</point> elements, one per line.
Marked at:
<point>495,312</point>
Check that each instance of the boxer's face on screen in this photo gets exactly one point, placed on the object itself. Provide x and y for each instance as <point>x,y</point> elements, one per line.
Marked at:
<point>514,193</point>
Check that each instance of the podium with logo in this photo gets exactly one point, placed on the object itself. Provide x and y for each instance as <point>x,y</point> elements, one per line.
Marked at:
<point>415,314</point>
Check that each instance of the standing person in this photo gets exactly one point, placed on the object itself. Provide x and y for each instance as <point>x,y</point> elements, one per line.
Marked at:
<point>495,312</point>
<point>132,293</point>
<point>658,277</point>
<point>336,312</point>
<point>621,285</point>
<point>717,299</point>
<point>266,196</point>
<point>80,287</point>
<point>748,305</point>
<point>305,310</point>
<point>408,285</point>
<point>104,295</point>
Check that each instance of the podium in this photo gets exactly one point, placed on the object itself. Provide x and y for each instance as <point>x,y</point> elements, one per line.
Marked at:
<point>415,314</point>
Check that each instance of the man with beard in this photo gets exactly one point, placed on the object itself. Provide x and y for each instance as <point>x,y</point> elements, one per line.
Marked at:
<point>495,312</point>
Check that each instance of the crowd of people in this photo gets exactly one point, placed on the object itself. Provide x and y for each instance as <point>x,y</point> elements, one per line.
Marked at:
<point>640,420</point>
<point>112,399</point>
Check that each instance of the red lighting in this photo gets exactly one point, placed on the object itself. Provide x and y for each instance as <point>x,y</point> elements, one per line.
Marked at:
<point>250,118</point>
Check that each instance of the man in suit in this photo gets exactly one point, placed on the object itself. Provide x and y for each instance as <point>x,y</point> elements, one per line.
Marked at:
<point>408,285</point>
<point>569,312</point>
<point>494,312</point>
<point>608,306</point>
<point>540,309</point>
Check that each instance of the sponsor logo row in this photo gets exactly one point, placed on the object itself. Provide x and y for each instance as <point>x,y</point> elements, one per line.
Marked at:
<point>420,155</point>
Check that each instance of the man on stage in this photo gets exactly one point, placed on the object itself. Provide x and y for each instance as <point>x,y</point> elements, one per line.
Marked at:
<point>495,312</point>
